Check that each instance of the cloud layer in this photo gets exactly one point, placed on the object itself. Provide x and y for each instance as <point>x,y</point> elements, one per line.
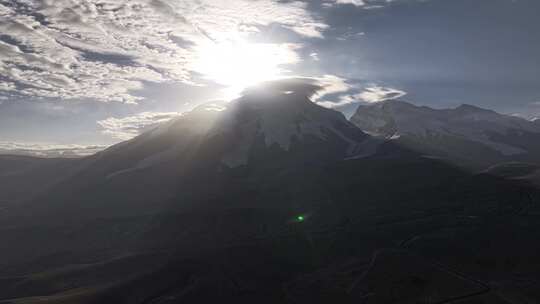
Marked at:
<point>105,49</point>
<point>367,4</point>
<point>48,150</point>
<point>377,93</point>
<point>352,93</point>
<point>128,127</point>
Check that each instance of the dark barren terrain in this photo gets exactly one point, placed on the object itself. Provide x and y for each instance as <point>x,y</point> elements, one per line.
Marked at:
<point>271,200</point>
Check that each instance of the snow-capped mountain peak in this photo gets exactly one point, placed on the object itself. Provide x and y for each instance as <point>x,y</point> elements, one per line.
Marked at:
<point>450,130</point>
<point>288,115</point>
<point>273,120</point>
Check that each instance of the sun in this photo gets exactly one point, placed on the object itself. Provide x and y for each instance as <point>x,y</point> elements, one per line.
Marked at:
<point>241,64</point>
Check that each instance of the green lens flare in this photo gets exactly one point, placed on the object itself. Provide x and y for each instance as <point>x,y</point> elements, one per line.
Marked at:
<point>300,218</point>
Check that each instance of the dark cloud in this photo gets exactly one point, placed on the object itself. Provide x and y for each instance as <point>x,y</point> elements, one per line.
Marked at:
<point>15,42</point>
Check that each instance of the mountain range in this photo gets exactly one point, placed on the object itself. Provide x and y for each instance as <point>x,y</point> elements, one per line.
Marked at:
<point>196,154</point>
<point>467,135</point>
<point>273,199</point>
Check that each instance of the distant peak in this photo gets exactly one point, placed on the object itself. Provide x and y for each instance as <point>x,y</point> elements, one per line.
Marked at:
<point>471,108</point>
<point>387,104</point>
<point>405,105</point>
<point>396,102</point>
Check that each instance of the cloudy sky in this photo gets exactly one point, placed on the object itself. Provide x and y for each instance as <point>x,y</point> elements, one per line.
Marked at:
<point>77,73</point>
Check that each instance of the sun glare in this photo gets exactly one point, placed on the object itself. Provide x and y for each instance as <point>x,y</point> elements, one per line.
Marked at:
<point>238,65</point>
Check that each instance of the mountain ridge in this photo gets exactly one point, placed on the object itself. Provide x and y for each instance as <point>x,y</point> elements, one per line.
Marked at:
<point>466,134</point>
<point>197,154</point>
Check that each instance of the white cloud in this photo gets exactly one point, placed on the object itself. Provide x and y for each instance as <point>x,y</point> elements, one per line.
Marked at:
<point>350,34</point>
<point>105,49</point>
<point>365,4</point>
<point>377,94</point>
<point>7,86</point>
<point>128,127</point>
<point>330,84</point>
<point>353,2</point>
<point>369,94</point>
<point>48,150</point>
<point>343,101</point>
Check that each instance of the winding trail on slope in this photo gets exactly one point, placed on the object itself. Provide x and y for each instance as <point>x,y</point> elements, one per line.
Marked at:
<point>485,287</point>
